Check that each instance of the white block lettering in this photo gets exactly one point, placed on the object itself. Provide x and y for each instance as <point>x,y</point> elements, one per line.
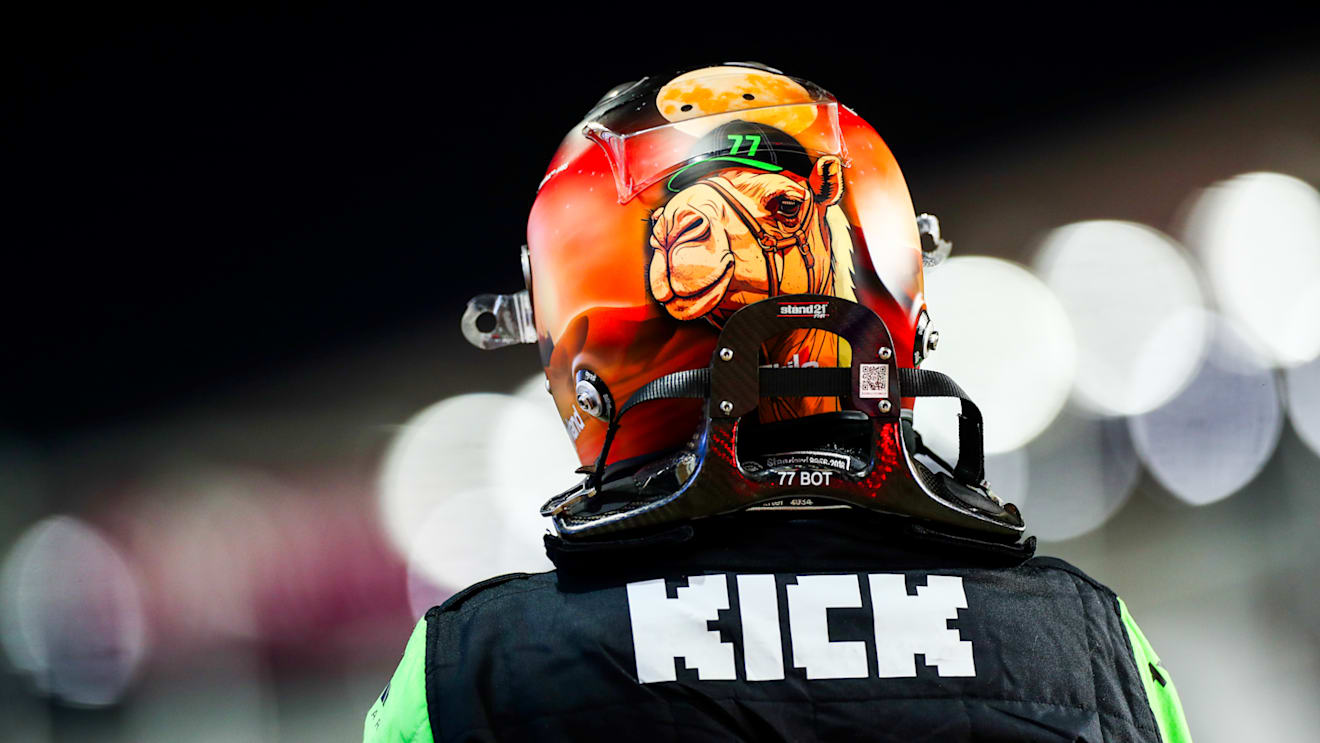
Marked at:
<point>808,627</point>
<point>906,625</point>
<point>758,608</point>
<point>664,629</point>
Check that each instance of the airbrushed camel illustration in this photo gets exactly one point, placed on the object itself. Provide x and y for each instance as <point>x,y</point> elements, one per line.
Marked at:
<point>740,235</point>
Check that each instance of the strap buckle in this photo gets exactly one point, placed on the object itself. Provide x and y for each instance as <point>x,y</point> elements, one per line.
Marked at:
<point>569,498</point>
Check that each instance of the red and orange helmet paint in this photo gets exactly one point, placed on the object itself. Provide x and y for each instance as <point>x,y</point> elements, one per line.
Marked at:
<point>681,199</point>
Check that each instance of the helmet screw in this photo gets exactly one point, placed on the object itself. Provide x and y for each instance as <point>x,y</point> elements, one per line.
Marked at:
<point>589,403</point>
<point>726,354</point>
<point>547,384</point>
<point>934,341</point>
<point>885,353</point>
<point>726,407</point>
<point>592,397</point>
<point>885,406</point>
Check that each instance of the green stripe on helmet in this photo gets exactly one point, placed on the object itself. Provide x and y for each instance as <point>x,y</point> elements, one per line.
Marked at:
<point>759,164</point>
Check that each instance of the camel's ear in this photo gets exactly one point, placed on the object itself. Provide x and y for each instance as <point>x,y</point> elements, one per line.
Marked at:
<point>827,180</point>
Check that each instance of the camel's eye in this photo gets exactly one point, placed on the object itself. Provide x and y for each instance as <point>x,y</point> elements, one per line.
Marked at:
<point>784,206</point>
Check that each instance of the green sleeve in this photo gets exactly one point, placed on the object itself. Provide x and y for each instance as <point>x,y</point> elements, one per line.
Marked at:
<point>400,714</point>
<point>1160,693</point>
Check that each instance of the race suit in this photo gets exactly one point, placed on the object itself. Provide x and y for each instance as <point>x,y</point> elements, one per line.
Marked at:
<point>779,626</point>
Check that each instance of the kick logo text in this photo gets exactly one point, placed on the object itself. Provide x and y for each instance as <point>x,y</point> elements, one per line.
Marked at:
<point>666,628</point>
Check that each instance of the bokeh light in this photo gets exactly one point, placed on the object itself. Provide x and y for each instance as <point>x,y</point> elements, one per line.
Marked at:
<point>1259,237</point>
<point>531,457</point>
<point>534,391</point>
<point>237,555</point>
<point>1006,340</point>
<point>1303,393</point>
<point>462,485</point>
<point>441,451</point>
<point>1009,475</point>
<point>71,612</point>
<point>204,538</point>
<point>1216,435</point>
<point>467,538</point>
<point>1072,478</point>
<point>1136,310</point>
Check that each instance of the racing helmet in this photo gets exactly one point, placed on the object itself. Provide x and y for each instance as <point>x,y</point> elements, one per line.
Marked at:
<point>734,250</point>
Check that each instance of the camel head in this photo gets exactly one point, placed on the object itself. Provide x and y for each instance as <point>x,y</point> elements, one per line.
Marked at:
<point>707,258</point>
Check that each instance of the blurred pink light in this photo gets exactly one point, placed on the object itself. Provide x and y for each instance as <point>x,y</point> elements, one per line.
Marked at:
<point>236,556</point>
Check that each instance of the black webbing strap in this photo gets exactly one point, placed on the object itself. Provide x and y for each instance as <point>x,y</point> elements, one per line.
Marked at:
<point>693,383</point>
<point>971,443</point>
<point>817,382</point>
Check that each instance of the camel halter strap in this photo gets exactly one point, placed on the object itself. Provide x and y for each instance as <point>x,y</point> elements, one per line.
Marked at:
<point>772,244</point>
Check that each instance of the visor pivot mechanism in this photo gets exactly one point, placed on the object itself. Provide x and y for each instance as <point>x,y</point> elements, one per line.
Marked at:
<point>498,320</point>
<point>929,224</point>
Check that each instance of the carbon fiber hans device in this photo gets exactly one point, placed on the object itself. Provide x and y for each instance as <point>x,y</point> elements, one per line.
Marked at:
<point>893,481</point>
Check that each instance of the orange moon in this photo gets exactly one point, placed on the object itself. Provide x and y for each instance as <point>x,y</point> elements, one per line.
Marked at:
<point>763,97</point>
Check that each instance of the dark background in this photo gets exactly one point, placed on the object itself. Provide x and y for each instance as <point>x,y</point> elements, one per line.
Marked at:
<point>193,200</point>
<point>235,250</point>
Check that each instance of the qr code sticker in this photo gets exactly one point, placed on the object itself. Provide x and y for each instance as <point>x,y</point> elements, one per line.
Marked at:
<point>875,381</point>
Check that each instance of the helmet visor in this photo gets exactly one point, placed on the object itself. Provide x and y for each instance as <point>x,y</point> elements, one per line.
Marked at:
<point>713,118</point>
